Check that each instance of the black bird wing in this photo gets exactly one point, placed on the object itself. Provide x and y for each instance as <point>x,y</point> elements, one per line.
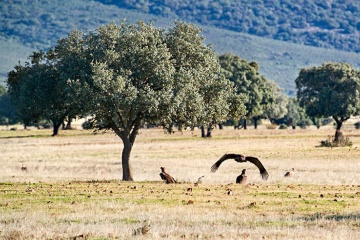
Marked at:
<point>221,160</point>
<point>256,161</point>
<point>163,176</point>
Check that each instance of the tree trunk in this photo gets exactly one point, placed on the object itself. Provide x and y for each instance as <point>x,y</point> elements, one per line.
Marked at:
<point>127,170</point>
<point>202,131</point>
<point>245,125</point>
<point>255,122</point>
<point>208,132</point>
<point>338,129</point>
<point>56,128</point>
<point>68,124</point>
<point>128,137</point>
<point>220,126</point>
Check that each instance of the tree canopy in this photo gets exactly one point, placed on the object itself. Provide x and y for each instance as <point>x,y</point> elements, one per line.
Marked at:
<point>332,89</point>
<point>260,93</point>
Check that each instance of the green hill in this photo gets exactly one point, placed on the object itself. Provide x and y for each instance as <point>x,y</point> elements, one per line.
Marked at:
<point>321,23</point>
<point>29,26</point>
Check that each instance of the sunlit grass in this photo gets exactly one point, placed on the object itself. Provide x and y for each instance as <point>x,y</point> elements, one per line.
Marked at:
<point>72,186</point>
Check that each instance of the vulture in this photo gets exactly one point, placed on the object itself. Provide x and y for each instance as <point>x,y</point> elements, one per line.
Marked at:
<point>241,158</point>
<point>290,173</point>
<point>242,177</point>
<point>166,177</point>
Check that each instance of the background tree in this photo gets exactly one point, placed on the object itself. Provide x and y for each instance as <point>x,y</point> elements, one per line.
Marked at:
<point>38,91</point>
<point>138,73</point>
<point>7,110</point>
<point>332,89</point>
<point>20,90</point>
<point>278,107</point>
<point>295,116</point>
<point>249,82</point>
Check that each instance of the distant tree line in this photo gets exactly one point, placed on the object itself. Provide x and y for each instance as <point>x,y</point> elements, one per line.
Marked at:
<point>329,24</point>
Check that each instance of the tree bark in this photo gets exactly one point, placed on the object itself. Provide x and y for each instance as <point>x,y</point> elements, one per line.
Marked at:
<point>202,131</point>
<point>208,132</point>
<point>56,128</point>
<point>338,129</point>
<point>128,137</point>
<point>126,166</point>
<point>245,125</point>
<point>255,119</point>
<point>68,124</point>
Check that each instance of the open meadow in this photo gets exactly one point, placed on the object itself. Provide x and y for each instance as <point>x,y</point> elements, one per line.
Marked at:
<point>69,187</point>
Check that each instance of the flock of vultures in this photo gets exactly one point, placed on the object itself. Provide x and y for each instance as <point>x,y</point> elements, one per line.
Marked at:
<point>241,179</point>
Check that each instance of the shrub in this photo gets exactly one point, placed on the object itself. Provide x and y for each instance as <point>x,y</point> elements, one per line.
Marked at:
<point>87,125</point>
<point>357,125</point>
<point>342,142</point>
<point>304,123</point>
<point>283,126</point>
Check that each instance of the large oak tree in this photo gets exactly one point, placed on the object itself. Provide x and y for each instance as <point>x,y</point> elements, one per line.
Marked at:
<point>332,89</point>
<point>127,75</point>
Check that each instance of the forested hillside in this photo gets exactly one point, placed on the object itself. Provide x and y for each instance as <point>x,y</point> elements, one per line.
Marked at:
<point>37,24</point>
<point>321,23</point>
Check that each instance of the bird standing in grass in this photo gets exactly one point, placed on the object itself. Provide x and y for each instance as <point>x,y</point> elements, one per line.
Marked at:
<point>290,173</point>
<point>241,179</point>
<point>166,177</point>
<point>241,158</point>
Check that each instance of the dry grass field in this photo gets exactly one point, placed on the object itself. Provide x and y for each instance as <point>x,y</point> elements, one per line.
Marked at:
<point>71,187</point>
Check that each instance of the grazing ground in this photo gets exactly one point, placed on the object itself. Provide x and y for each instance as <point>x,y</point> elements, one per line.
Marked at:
<point>70,186</point>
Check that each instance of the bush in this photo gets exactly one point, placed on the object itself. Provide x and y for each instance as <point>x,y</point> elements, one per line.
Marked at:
<point>283,126</point>
<point>342,142</point>
<point>357,125</point>
<point>304,123</point>
<point>87,125</point>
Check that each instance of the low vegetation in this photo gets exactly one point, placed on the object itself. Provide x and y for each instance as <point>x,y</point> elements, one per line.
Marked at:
<point>68,187</point>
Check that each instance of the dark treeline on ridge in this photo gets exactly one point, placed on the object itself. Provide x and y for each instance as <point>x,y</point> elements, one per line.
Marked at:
<point>329,24</point>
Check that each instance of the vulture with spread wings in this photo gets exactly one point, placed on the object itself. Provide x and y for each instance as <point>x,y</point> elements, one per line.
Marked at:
<point>241,158</point>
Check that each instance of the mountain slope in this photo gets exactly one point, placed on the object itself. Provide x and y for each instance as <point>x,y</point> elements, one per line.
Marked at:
<point>321,23</point>
<point>39,24</point>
